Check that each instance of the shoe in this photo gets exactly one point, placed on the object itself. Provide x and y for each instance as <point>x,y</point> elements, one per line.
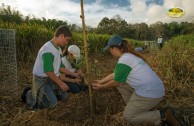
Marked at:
<point>24,92</point>
<point>171,118</point>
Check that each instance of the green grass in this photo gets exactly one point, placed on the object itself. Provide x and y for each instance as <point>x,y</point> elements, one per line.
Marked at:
<point>182,40</point>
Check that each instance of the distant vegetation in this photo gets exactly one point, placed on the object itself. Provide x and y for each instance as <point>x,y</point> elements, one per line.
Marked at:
<point>32,32</point>
<point>175,64</point>
<point>115,25</point>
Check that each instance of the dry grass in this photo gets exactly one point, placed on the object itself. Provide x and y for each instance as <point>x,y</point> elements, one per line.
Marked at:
<point>108,103</point>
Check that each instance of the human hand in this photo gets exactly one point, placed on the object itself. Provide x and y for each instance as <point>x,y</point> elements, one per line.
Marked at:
<point>80,73</point>
<point>64,87</point>
<point>77,80</point>
<point>76,75</point>
<point>97,86</point>
<point>98,81</point>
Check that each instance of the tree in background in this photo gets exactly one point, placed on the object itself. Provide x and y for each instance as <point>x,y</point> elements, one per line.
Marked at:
<point>8,14</point>
<point>141,31</point>
<point>114,25</point>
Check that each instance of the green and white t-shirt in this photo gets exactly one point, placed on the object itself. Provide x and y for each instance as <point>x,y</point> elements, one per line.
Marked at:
<point>48,60</point>
<point>71,66</point>
<point>67,64</point>
<point>134,71</point>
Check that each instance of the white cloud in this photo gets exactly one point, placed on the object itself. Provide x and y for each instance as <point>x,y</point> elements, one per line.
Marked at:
<point>95,12</point>
<point>138,6</point>
<point>136,12</point>
<point>156,13</point>
<point>159,13</point>
<point>50,9</point>
<point>153,13</point>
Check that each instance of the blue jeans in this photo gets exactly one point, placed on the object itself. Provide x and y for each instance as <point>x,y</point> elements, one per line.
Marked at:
<point>76,88</point>
<point>45,93</point>
<point>49,97</point>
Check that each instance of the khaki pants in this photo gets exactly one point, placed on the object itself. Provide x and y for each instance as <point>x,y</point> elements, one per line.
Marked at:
<point>138,109</point>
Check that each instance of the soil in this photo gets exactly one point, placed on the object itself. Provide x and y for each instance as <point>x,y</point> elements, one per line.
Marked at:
<point>107,104</point>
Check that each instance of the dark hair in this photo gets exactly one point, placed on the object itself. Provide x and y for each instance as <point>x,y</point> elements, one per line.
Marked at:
<point>63,29</point>
<point>128,48</point>
<point>65,51</point>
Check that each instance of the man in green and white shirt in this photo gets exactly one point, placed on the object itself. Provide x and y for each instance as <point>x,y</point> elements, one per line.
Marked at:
<point>47,88</point>
<point>48,59</point>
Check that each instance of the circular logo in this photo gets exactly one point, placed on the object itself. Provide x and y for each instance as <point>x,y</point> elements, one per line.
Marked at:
<point>176,12</point>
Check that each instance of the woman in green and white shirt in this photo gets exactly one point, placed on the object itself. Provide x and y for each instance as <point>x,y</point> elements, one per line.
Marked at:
<point>139,85</point>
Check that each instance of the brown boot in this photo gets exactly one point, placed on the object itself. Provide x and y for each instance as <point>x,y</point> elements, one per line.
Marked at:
<point>171,119</point>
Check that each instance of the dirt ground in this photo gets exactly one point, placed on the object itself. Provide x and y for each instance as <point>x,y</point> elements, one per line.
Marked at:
<point>107,104</point>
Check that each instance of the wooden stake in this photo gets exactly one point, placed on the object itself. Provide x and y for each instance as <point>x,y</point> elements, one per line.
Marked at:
<point>84,35</point>
<point>86,59</point>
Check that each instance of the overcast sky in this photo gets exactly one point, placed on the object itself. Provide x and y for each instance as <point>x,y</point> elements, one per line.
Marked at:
<point>133,11</point>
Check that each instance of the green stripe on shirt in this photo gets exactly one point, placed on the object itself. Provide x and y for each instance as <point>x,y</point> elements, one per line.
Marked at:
<point>48,59</point>
<point>121,72</point>
<point>62,65</point>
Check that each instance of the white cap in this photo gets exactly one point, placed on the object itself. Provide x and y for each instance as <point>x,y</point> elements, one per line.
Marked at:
<point>73,49</point>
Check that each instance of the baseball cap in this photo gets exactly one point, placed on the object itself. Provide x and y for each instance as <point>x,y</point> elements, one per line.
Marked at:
<point>73,49</point>
<point>114,40</point>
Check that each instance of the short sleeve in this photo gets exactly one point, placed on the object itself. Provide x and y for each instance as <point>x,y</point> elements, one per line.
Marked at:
<point>48,60</point>
<point>121,72</point>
